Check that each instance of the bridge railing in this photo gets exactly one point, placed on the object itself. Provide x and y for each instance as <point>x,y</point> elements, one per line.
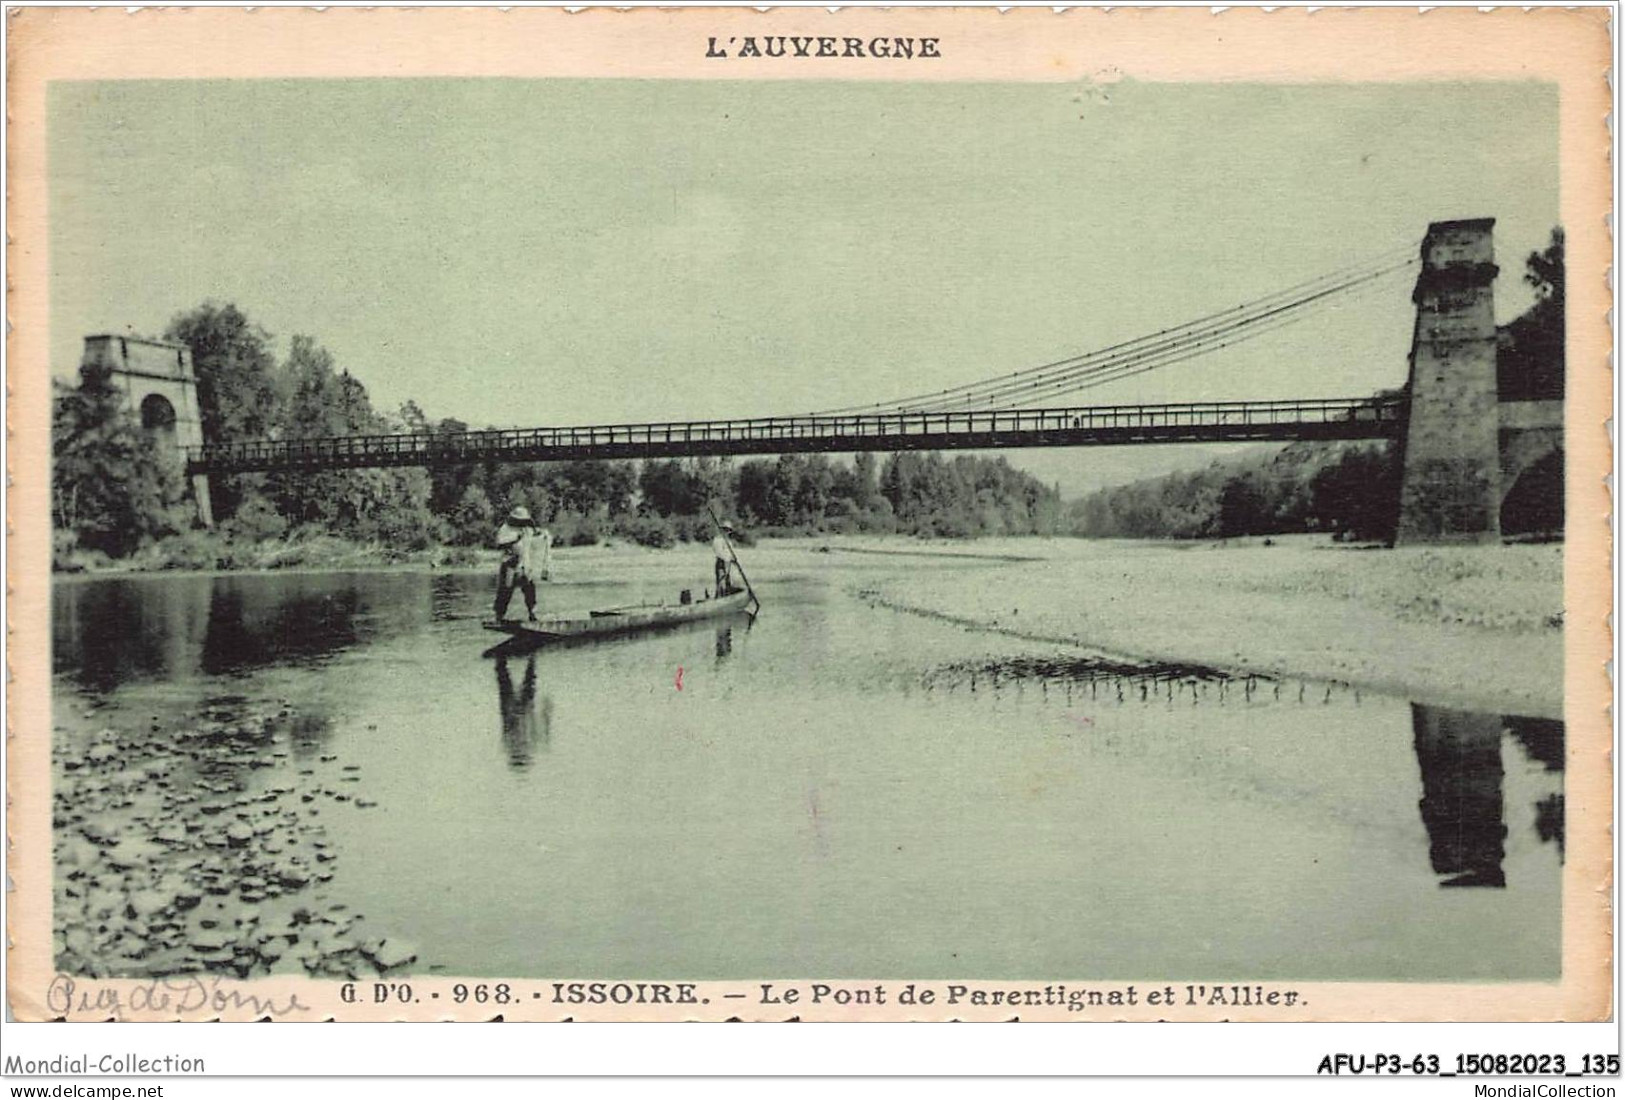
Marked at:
<point>995,426</point>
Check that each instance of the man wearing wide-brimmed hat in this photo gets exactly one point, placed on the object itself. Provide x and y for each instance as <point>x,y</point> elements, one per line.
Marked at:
<point>526,553</point>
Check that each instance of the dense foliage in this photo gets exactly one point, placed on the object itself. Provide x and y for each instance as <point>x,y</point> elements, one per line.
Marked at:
<point>1530,361</point>
<point>236,384</point>
<point>114,485</point>
<point>118,488</point>
<point>911,492</point>
<point>1350,490</point>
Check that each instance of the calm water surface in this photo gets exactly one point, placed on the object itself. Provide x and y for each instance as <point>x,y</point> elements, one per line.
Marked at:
<point>844,791</point>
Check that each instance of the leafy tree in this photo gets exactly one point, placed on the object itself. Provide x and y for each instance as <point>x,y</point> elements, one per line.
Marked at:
<point>668,489</point>
<point>113,485</point>
<point>968,496</point>
<point>473,518</point>
<point>257,518</point>
<point>751,489</point>
<point>781,491</point>
<point>1358,497</point>
<point>1530,360</point>
<point>1544,270</point>
<point>312,407</point>
<point>897,484</point>
<point>811,496</point>
<point>713,480</point>
<point>856,483</point>
<point>1348,489</point>
<point>234,365</point>
<point>584,486</point>
<point>235,385</point>
<point>385,505</point>
<point>449,483</point>
<point>1244,506</point>
<point>413,419</point>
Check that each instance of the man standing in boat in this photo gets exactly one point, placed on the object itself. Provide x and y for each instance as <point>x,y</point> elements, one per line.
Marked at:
<point>526,558</point>
<point>723,551</point>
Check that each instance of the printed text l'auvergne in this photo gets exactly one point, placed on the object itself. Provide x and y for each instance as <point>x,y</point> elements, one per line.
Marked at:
<point>816,46</point>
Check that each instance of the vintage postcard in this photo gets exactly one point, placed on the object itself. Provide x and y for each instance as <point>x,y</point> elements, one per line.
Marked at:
<point>932,514</point>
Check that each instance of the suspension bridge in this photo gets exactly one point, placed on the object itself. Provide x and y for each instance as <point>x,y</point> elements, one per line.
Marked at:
<point>1008,411</point>
<point>1210,422</point>
<point>1449,420</point>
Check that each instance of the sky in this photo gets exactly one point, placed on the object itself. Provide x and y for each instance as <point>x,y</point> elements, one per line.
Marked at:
<point>523,253</point>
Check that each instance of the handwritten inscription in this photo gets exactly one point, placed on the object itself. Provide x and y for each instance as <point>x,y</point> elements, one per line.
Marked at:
<point>169,996</point>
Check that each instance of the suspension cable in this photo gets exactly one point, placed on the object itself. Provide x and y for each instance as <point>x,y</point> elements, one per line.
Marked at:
<point>1178,338</point>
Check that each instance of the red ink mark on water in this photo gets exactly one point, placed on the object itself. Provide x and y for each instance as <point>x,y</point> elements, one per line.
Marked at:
<point>679,677</point>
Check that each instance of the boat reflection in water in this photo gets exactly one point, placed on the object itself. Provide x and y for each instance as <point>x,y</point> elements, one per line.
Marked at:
<point>1462,776</point>
<point>525,726</point>
<point>526,723</point>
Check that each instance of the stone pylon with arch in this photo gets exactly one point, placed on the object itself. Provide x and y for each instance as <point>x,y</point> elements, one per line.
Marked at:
<point>157,379</point>
<point>1466,445</point>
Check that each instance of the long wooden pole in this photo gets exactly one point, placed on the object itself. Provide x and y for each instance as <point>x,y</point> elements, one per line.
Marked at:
<point>735,557</point>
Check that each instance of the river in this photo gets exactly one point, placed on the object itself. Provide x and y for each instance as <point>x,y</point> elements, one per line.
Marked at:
<point>836,790</point>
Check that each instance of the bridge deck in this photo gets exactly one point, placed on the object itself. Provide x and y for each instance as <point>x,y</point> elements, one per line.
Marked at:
<point>1095,425</point>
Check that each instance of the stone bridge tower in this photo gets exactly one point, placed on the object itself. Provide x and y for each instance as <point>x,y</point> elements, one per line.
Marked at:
<point>1450,481</point>
<point>157,379</point>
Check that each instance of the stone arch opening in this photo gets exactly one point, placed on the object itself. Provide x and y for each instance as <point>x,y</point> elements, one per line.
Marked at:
<point>1534,504</point>
<point>161,390</point>
<point>157,414</point>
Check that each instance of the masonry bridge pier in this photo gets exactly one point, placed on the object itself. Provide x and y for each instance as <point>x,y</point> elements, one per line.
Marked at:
<point>1463,445</point>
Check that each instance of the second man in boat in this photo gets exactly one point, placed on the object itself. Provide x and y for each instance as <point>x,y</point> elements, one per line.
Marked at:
<point>722,550</point>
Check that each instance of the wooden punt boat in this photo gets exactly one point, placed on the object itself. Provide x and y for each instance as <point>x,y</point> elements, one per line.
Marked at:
<point>622,620</point>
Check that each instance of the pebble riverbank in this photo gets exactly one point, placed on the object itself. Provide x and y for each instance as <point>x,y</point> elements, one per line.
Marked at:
<point>200,847</point>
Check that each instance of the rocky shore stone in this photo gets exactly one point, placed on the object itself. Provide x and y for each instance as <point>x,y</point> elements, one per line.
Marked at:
<point>180,847</point>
